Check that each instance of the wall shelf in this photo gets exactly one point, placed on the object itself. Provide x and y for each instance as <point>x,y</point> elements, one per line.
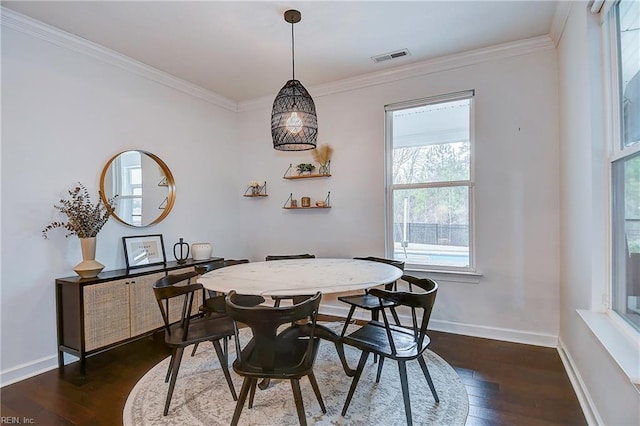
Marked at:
<point>327,204</point>
<point>288,174</point>
<point>260,191</point>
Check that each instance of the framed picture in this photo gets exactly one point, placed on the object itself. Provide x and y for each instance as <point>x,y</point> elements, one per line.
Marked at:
<point>144,250</point>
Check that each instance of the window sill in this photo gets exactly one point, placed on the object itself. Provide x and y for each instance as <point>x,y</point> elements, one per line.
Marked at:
<point>446,276</point>
<point>623,345</point>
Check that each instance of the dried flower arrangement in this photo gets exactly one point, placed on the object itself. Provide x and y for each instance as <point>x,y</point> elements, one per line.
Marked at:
<point>85,218</point>
<point>322,155</point>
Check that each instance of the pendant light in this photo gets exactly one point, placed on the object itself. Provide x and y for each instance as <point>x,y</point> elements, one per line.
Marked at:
<point>294,124</point>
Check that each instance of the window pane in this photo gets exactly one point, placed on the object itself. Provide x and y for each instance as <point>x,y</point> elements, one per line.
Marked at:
<point>629,25</point>
<point>431,226</point>
<point>431,143</point>
<point>626,239</point>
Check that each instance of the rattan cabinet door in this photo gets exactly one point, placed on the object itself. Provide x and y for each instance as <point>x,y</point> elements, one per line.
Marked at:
<point>106,313</point>
<point>145,313</point>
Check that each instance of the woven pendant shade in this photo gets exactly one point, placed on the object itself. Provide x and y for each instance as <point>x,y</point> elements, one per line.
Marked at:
<point>294,124</point>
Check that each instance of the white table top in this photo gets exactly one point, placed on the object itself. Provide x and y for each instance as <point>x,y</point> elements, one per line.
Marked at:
<point>300,276</point>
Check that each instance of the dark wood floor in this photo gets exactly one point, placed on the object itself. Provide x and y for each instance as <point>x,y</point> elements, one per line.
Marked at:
<point>507,383</point>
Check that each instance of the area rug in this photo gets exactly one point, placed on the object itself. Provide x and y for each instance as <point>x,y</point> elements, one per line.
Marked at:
<point>202,396</point>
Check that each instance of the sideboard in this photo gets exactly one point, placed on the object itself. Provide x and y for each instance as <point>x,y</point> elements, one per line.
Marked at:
<point>96,314</point>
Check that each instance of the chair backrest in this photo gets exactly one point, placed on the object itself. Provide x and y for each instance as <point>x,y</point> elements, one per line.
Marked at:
<point>289,256</point>
<point>231,262</point>
<point>167,288</point>
<point>207,267</point>
<point>264,322</point>
<point>397,263</point>
<point>420,301</point>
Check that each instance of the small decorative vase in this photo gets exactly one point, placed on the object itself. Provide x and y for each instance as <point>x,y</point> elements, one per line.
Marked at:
<point>201,251</point>
<point>88,268</point>
<point>255,190</point>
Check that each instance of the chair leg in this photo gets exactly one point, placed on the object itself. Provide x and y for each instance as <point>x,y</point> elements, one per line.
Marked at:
<point>174,375</point>
<point>252,392</point>
<point>348,320</point>
<point>395,316</point>
<point>402,366</point>
<point>297,396</point>
<point>375,316</point>
<point>195,348</point>
<point>173,357</point>
<point>427,376</point>
<point>246,384</point>
<point>225,367</point>
<point>354,382</point>
<point>316,390</point>
<point>380,364</point>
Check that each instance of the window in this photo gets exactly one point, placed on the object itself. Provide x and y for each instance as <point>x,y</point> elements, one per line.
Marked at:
<point>625,162</point>
<point>430,182</point>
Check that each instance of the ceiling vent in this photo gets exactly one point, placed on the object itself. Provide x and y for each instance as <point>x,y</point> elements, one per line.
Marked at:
<point>392,55</point>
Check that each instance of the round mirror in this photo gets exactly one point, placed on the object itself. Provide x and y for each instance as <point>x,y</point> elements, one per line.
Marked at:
<point>144,186</point>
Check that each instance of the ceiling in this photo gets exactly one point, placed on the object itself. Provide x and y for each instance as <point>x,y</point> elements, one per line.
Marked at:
<point>242,50</point>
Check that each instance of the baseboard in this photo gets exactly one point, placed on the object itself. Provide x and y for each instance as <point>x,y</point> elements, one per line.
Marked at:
<point>584,399</point>
<point>27,370</point>
<point>495,333</point>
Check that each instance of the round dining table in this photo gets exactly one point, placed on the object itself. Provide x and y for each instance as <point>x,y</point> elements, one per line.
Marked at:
<point>293,277</point>
<point>300,277</point>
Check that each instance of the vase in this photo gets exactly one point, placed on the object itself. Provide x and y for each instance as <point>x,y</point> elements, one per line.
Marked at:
<point>201,251</point>
<point>88,268</point>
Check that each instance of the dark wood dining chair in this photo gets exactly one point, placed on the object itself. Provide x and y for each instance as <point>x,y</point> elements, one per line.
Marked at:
<point>189,329</point>
<point>367,301</point>
<point>214,305</point>
<point>397,342</point>
<point>270,257</point>
<point>273,355</point>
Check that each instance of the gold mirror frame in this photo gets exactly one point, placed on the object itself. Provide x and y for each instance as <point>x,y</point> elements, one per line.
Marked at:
<point>169,182</point>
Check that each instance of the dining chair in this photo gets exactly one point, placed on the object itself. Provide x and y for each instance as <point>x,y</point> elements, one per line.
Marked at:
<point>270,257</point>
<point>367,301</point>
<point>188,329</point>
<point>397,342</point>
<point>214,305</point>
<point>271,354</point>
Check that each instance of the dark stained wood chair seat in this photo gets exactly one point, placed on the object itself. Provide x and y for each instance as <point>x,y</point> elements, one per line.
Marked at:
<point>365,301</point>
<point>200,330</point>
<point>373,337</point>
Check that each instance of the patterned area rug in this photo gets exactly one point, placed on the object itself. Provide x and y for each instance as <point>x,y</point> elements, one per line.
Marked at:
<point>202,397</point>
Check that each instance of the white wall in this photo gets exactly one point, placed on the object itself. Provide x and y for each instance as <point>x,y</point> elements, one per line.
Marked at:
<point>611,395</point>
<point>64,114</point>
<point>517,200</point>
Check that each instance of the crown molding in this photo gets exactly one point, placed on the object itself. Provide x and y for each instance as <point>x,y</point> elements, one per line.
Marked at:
<point>472,57</point>
<point>48,33</point>
<point>559,20</point>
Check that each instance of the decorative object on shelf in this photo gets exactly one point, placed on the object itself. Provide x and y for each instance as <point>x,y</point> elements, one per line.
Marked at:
<point>201,251</point>
<point>294,123</point>
<point>256,189</point>
<point>322,155</point>
<point>303,168</point>
<point>85,220</point>
<point>181,251</point>
<point>144,250</point>
<point>292,204</point>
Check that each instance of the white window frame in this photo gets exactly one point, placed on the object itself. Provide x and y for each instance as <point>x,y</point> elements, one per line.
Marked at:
<point>617,152</point>
<point>390,187</point>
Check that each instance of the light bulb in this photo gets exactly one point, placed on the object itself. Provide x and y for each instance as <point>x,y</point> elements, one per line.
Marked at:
<point>294,123</point>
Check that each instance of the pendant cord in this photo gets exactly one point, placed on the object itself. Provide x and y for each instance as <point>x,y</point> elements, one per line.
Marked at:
<point>293,54</point>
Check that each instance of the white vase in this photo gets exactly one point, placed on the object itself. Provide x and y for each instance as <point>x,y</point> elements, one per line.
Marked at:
<point>201,251</point>
<point>88,268</point>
